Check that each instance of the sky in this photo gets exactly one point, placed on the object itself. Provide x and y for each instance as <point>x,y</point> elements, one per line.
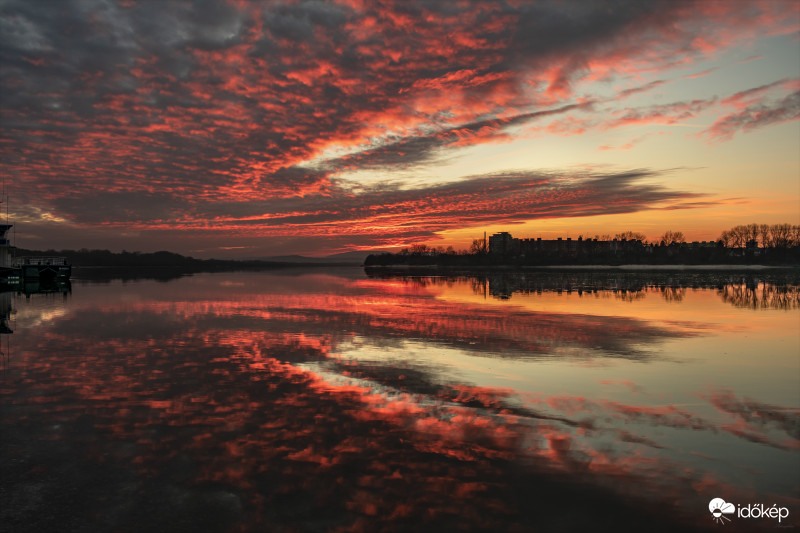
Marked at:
<point>240,129</point>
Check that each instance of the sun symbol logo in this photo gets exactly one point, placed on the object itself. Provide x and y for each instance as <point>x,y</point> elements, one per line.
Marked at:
<point>719,508</point>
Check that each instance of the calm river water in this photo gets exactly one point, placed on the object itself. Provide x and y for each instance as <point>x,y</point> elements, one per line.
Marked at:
<point>333,400</point>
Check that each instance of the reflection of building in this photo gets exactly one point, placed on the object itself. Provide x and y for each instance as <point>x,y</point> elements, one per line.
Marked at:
<point>34,316</point>
<point>504,285</point>
<point>5,329</point>
<point>752,291</point>
<point>5,312</point>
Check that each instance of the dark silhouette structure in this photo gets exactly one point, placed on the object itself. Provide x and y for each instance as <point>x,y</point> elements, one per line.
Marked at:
<point>503,249</point>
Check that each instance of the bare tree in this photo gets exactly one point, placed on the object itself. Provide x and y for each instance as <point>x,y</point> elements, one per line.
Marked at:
<point>795,235</point>
<point>631,236</point>
<point>769,236</point>
<point>673,237</point>
<point>420,248</point>
<point>766,235</point>
<point>478,246</point>
<point>737,236</point>
<point>782,235</point>
<point>752,233</point>
<point>726,238</point>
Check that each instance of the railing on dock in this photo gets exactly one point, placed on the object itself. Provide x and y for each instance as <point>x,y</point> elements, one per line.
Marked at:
<point>40,261</point>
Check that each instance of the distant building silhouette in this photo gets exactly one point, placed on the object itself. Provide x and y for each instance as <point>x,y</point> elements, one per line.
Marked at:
<point>504,249</point>
<point>504,244</point>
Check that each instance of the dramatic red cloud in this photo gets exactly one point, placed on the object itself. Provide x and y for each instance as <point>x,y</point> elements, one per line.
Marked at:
<point>165,113</point>
<point>756,108</point>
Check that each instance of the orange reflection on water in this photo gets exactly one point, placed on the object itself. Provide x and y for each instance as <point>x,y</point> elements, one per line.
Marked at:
<point>279,439</point>
<point>241,411</point>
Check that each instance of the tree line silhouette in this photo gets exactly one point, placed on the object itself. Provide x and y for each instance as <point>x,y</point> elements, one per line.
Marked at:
<point>776,244</point>
<point>158,260</point>
<point>775,236</point>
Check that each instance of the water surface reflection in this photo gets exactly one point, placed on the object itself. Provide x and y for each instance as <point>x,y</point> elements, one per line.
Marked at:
<point>336,402</point>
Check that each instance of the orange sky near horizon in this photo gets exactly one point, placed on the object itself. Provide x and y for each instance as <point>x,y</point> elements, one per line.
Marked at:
<point>260,128</point>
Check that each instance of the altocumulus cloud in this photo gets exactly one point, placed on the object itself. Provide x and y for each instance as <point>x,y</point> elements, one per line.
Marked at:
<point>205,116</point>
<point>387,213</point>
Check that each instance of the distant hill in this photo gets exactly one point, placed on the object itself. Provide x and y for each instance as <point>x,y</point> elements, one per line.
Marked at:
<point>163,259</point>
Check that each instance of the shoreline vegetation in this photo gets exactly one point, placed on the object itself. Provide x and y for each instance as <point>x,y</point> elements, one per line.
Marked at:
<point>713,260</point>
<point>746,247</point>
<point>753,246</point>
<point>104,265</point>
<point>169,260</point>
<point>432,268</point>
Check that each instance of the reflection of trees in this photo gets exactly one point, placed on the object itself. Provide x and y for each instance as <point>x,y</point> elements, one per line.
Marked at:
<point>6,310</point>
<point>761,296</point>
<point>478,285</point>
<point>505,285</point>
<point>762,290</point>
<point>201,405</point>
<point>742,291</point>
<point>629,296</point>
<point>673,294</point>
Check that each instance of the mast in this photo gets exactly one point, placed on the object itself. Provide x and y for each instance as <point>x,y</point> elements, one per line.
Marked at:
<point>5,245</point>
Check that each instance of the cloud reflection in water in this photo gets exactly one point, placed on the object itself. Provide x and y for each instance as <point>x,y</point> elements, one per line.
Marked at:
<point>237,408</point>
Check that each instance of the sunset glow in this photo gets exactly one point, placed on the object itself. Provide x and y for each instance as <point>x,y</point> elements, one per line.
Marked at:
<point>243,401</point>
<point>250,129</point>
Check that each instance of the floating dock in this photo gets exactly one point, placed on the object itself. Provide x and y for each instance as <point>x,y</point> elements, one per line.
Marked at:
<point>43,268</point>
<point>21,270</point>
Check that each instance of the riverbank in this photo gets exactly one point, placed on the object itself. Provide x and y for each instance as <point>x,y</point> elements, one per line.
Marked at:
<point>550,268</point>
<point>663,267</point>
